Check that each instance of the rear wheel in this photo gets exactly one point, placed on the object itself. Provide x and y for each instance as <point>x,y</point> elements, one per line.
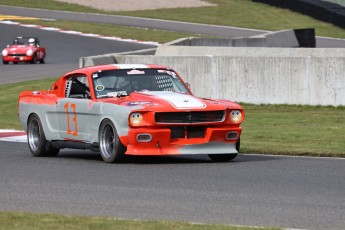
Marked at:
<point>38,144</point>
<point>4,62</point>
<point>225,157</point>
<point>110,146</point>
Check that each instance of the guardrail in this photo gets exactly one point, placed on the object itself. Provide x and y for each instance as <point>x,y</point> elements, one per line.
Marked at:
<point>258,75</point>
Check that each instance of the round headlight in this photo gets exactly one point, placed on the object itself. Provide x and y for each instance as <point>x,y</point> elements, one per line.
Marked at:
<point>4,52</point>
<point>135,119</point>
<point>29,52</point>
<point>235,116</point>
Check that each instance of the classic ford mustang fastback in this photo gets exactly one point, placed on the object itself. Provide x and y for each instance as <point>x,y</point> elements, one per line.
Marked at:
<point>126,109</point>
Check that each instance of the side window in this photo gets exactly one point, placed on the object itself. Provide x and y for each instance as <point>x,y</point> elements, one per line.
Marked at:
<point>77,87</point>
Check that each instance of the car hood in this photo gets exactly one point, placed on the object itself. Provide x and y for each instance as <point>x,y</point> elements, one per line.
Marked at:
<point>19,49</point>
<point>172,101</point>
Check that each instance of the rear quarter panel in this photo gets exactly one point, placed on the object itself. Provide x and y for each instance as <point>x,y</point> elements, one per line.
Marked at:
<point>42,104</point>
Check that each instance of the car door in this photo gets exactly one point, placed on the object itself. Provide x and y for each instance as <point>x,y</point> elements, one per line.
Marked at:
<point>74,113</point>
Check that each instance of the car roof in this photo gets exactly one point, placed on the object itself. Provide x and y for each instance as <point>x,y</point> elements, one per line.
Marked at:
<point>119,66</point>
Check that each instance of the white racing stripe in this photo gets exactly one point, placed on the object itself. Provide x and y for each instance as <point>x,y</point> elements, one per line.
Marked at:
<point>133,66</point>
<point>179,101</point>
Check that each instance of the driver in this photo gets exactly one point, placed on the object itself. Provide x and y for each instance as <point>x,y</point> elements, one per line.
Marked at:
<point>31,41</point>
<point>146,83</point>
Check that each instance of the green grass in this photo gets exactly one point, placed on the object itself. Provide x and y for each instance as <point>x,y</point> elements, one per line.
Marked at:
<point>246,14</point>
<point>294,130</point>
<point>37,221</point>
<point>49,4</point>
<point>9,101</point>
<point>268,129</point>
<point>238,13</point>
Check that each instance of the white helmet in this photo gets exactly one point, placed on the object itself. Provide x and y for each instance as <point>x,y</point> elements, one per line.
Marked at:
<point>31,40</point>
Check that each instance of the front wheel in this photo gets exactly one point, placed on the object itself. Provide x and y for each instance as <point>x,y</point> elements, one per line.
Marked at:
<point>34,59</point>
<point>4,62</point>
<point>225,157</point>
<point>110,146</point>
<point>42,61</point>
<point>38,144</point>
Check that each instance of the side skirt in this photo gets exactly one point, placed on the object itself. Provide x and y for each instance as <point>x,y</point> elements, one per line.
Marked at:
<point>73,145</point>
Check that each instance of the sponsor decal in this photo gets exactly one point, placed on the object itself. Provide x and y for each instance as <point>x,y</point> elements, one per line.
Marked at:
<point>100,87</point>
<point>134,71</point>
<point>138,103</point>
<point>118,93</point>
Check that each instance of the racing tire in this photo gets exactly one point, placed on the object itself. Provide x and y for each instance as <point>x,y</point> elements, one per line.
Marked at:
<point>38,145</point>
<point>110,146</point>
<point>15,62</point>
<point>225,157</point>
<point>4,62</point>
<point>34,59</point>
<point>42,61</point>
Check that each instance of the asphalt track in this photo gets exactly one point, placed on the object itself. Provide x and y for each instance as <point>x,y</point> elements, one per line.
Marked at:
<point>291,192</point>
<point>63,52</point>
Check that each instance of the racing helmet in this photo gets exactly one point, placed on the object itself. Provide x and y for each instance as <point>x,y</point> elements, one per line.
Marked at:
<point>31,41</point>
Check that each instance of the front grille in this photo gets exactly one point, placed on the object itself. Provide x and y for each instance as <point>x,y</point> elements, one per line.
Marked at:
<point>187,132</point>
<point>189,117</point>
<point>17,55</point>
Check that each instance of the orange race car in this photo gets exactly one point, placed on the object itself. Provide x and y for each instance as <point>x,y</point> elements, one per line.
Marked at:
<point>24,49</point>
<point>129,109</point>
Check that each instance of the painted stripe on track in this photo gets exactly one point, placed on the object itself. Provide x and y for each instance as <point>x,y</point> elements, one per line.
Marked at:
<point>12,135</point>
<point>81,33</point>
<point>15,17</point>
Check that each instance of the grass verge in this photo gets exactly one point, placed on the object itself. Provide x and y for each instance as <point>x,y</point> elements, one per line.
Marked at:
<point>37,221</point>
<point>294,130</point>
<point>238,13</point>
<point>269,129</point>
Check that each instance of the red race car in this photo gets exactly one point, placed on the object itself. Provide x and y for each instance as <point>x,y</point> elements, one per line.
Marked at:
<point>129,109</point>
<point>24,49</point>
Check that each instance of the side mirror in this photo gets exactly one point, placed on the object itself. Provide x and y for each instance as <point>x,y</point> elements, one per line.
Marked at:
<point>188,85</point>
<point>54,87</point>
<point>8,46</point>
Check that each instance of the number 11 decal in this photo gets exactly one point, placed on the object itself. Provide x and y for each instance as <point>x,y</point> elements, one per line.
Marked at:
<point>74,119</point>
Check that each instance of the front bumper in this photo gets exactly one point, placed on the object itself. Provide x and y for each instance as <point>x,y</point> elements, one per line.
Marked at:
<point>215,141</point>
<point>18,58</point>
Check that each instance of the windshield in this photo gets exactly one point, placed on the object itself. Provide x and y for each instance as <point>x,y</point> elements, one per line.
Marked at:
<point>24,41</point>
<point>116,83</point>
